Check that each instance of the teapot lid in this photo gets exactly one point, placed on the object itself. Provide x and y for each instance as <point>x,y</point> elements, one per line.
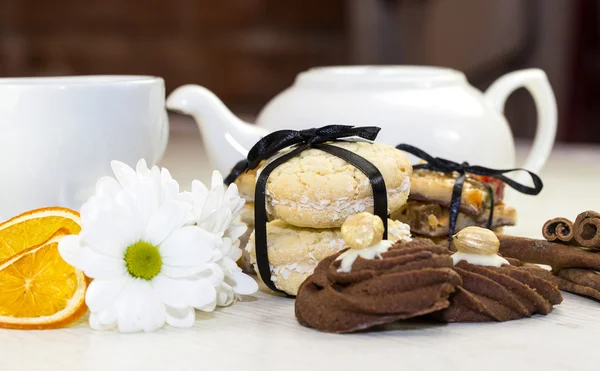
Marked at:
<point>403,75</point>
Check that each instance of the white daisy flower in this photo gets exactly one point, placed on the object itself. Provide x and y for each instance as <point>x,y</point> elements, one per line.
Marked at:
<point>216,211</point>
<point>148,266</point>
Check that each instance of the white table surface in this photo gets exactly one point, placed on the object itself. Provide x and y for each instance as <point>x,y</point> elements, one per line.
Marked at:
<point>262,333</point>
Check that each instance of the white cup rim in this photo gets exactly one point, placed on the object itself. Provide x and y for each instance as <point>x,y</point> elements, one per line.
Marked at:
<point>79,80</point>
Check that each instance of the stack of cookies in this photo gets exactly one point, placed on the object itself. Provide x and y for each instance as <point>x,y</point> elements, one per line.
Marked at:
<point>311,195</point>
<point>427,211</point>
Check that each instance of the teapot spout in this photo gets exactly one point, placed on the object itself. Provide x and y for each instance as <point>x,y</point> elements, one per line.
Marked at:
<point>226,138</point>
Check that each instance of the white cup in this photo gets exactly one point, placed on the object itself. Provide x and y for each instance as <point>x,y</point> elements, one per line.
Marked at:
<point>58,135</point>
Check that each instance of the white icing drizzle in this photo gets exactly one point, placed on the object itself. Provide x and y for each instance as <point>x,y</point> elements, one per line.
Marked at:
<point>493,260</point>
<point>370,252</point>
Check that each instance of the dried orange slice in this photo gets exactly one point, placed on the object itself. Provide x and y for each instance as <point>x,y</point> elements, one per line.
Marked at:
<point>39,290</point>
<point>35,227</point>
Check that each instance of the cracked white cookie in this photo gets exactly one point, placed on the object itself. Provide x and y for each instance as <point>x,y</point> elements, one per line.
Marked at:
<point>294,252</point>
<point>318,190</point>
<point>246,183</point>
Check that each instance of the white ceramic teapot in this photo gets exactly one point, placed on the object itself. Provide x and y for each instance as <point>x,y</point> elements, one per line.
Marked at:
<point>432,108</point>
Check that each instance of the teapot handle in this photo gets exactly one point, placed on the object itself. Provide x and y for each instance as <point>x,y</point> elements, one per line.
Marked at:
<point>536,82</point>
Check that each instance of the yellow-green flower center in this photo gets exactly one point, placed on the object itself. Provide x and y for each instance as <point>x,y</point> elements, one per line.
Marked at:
<point>143,260</point>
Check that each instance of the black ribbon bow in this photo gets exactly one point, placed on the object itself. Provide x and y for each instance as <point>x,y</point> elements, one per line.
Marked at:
<point>448,167</point>
<point>273,143</point>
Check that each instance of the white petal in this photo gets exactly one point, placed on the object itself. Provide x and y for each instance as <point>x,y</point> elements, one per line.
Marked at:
<point>138,308</point>
<point>200,195</point>
<point>126,316</point>
<point>225,295</point>
<point>217,179</point>
<point>94,265</point>
<point>235,245</point>
<point>182,318</point>
<point>209,307</point>
<point>106,320</point>
<point>213,204</point>
<point>126,176</point>
<point>170,216</point>
<point>229,266</point>
<point>199,189</point>
<point>158,315</point>
<point>232,191</point>
<point>170,186</point>
<point>182,272</point>
<point>155,170</point>
<point>107,187</point>
<point>95,322</point>
<point>234,252</point>
<point>205,294</point>
<point>183,293</point>
<point>235,230</point>
<point>90,210</point>
<point>218,221</point>
<point>141,169</point>
<point>69,248</point>
<point>186,197</point>
<point>108,229</point>
<point>99,266</point>
<point>101,294</point>
<point>105,243</point>
<point>136,222</point>
<point>189,246</point>
<point>144,204</point>
<point>165,175</point>
<point>244,284</point>
<point>215,273</point>
<point>232,195</point>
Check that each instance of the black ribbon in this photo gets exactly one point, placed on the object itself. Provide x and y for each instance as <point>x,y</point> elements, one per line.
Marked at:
<point>447,166</point>
<point>238,169</point>
<point>273,143</point>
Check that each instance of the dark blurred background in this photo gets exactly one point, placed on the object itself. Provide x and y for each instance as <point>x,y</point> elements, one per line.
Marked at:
<point>246,51</point>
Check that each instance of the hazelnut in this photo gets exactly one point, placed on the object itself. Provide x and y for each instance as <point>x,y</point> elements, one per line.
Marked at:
<point>476,240</point>
<point>362,230</point>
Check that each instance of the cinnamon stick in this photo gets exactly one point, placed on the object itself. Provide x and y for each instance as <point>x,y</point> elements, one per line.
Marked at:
<point>556,255</point>
<point>587,229</point>
<point>560,229</point>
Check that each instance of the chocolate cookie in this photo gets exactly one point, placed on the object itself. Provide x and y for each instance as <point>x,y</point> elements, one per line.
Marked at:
<point>410,279</point>
<point>577,281</point>
<point>575,269</point>
<point>580,281</point>
<point>500,293</point>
